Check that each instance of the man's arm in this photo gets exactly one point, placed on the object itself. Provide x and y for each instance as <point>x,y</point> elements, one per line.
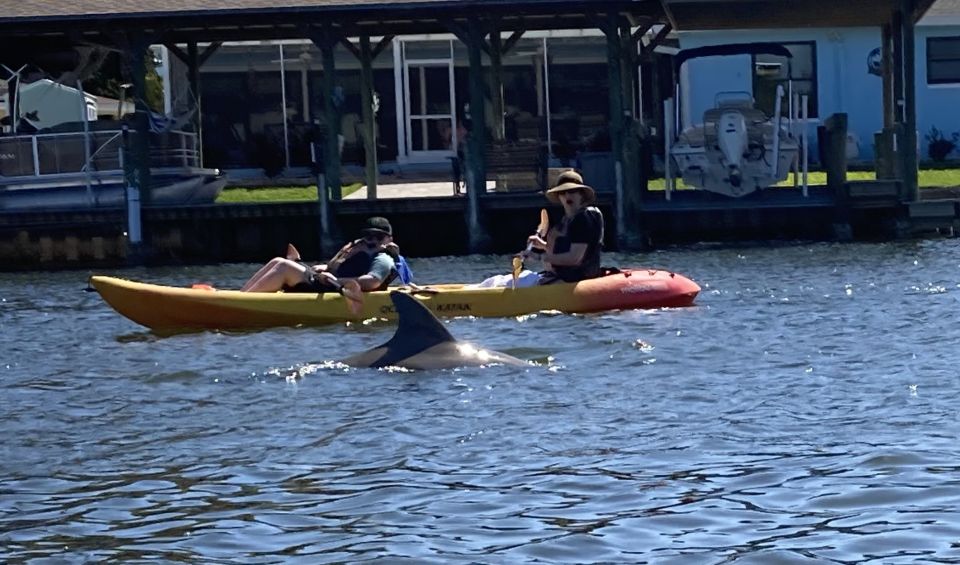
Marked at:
<point>380,269</point>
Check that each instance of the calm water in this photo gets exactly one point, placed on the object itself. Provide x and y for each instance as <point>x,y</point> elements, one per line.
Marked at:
<point>806,411</point>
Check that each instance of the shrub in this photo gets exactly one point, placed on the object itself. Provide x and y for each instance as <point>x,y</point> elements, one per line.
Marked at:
<point>939,146</point>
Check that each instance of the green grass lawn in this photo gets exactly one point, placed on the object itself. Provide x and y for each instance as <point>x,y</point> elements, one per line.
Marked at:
<point>233,195</point>
<point>928,178</point>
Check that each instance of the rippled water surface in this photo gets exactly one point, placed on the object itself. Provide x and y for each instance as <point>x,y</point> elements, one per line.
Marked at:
<point>805,411</point>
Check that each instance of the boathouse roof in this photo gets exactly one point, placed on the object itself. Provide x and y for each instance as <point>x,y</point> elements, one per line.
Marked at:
<point>943,12</point>
<point>269,19</point>
<point>266,19</point>
<point>747,14</point>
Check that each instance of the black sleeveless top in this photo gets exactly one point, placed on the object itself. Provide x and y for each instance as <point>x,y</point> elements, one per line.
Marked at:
<point>586,226</point>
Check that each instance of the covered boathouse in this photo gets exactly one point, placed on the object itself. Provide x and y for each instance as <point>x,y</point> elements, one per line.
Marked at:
<point>480,36</point>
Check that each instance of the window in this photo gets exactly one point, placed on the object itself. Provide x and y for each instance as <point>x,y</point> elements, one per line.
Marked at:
<point>943,60</point>
<point>770,71</point>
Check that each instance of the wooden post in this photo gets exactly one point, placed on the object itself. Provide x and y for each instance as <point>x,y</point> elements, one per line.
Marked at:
<point>896,25</point>
<point>634,182</point>
<point>135,151</point>
<point>886,54</point>
<point>139,155</point>
<point>628,67</point>
<point>475,173</point>
<point>194,60</point>
<point>835,163</point>
<point>835,156</point>
<point>325,41</point>
<point>193,77</point>
<point>628,233</point>
<point>909,148</point>
<point>496,86</point>
<point>369,118</point>
<point>887,161</point>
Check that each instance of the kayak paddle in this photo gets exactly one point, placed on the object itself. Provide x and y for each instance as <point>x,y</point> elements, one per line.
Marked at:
<point>541,232</point>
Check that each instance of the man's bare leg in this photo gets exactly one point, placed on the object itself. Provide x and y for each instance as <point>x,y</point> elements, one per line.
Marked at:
<point>276,275</point>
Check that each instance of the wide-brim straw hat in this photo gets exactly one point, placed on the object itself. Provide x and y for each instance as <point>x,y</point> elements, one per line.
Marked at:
<point>571,180</point>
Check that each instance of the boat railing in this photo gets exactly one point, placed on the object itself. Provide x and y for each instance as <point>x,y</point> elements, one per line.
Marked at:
<point>43,154</point>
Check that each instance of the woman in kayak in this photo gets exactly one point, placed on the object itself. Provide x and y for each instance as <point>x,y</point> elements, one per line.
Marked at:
<point>370,261</point>
<point>571,249</point>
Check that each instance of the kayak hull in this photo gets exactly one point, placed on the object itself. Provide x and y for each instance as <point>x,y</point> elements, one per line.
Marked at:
<point>169,308</point>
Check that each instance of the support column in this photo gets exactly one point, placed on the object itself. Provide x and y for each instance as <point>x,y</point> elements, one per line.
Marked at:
<point>886,54</point>
<point>135,152</point>
<point>633,183</point>
<point>628,232</point>
<point>896,26</point>
<point>193,59</point>
<point>886,160</point>
<point>325,40</point>
<point>366,55</point>
<point>140,150</point>
<point>475,173</point>
<point>369,118</point>
<point>193,78</point>
<point>835,163</point>
<point>910,180</point>
<point>496,85</point>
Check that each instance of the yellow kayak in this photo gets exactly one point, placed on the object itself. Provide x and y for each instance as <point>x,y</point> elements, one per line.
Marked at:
<point>170,308</point>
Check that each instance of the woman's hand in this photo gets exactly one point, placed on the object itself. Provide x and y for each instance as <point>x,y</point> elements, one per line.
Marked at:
<point>537,242</point>
<point>534,253</point>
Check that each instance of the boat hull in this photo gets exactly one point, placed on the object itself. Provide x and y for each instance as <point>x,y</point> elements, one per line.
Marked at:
<point>169,188</point>
<point>166,308</point>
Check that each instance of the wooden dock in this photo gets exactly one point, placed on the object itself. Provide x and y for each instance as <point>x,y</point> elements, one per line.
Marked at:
<point>432,226</point>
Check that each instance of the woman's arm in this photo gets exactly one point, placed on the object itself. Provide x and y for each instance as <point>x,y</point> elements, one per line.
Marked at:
<point>570,258</point>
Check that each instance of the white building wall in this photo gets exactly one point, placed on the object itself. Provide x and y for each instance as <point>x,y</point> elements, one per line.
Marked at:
<point>843,83</point>
<point>938,105</point>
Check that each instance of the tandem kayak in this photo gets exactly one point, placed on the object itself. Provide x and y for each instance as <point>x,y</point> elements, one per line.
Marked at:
<point>168,308</point>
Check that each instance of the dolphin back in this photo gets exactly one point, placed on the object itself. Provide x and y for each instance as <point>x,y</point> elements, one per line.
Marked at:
<point>417,330</point>
<point>422,342</point>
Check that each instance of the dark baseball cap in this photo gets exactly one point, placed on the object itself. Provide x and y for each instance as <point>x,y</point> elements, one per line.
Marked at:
<point>377,224</point>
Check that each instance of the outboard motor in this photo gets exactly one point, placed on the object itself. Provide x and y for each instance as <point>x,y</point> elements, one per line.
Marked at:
<point>732,140</point>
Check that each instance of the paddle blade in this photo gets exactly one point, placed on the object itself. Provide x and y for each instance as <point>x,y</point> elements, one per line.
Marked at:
<point>517,267</point>
<point>354,294</point>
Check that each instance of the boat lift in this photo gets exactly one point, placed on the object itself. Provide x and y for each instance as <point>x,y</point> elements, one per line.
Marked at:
<point>731,148</point>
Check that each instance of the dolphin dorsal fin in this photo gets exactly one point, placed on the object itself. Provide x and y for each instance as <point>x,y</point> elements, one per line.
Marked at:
<point>417,329</point>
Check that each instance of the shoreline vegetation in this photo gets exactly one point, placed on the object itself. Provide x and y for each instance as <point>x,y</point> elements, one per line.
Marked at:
<point>928,178</point>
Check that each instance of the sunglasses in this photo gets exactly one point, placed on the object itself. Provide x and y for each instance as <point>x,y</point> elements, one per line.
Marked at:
<point>374,237</point>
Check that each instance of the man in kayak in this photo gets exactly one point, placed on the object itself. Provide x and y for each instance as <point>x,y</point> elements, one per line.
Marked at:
<point>571,249</point>
<point>371,261</point>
